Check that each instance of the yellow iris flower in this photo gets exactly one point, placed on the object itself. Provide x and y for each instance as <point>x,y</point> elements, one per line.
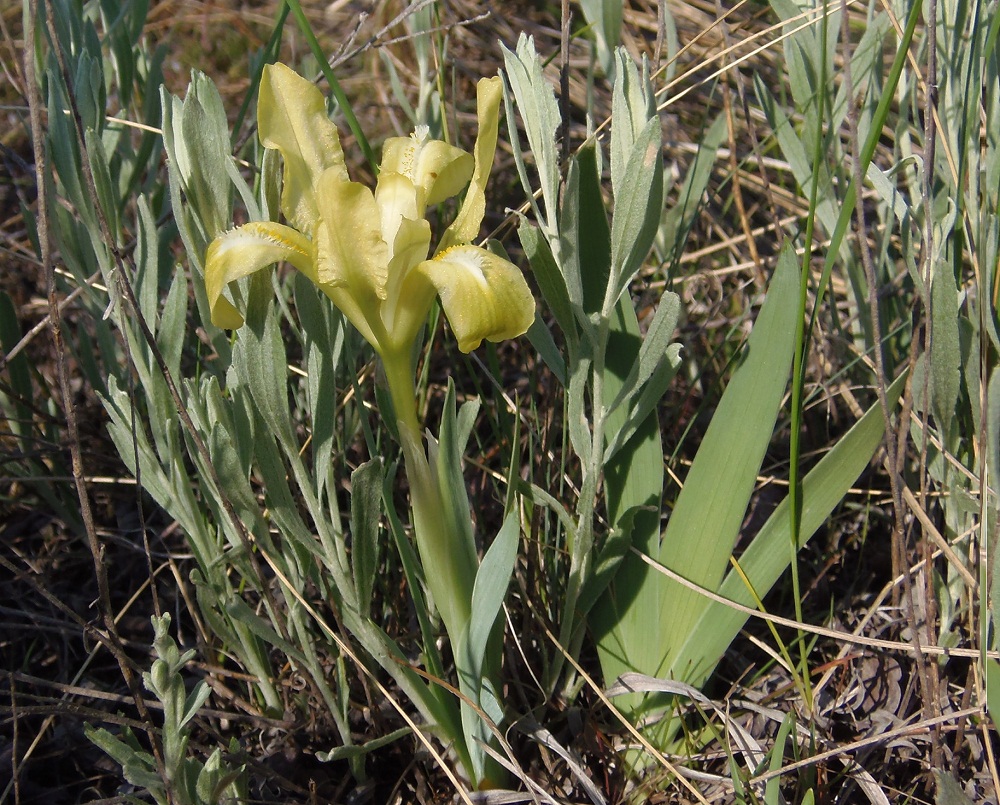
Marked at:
<point>369,251</point>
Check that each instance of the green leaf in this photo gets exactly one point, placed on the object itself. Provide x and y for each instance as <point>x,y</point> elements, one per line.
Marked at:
<point>540,115</point>
<point>414,577</point>
<point>632,107</point>
<point>366,511</point>
<point>772,789</point>
<point>607,561</point>
<point>584,236</point>
<point>548,276</point>
<point>17,410</point>
<point>627,619</point>
<point>945,352</point>
<point>455,504</point>
<point>706,519</point>
<point>492,580</point>
<point>638,207</point>
<point>992,445</point>
<point>767,557</point>
<point>993,689</point>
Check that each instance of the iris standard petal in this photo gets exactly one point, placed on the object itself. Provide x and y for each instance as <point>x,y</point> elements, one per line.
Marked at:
<point>402,313</point>
<point>244,250</point>
<point>397,199</point>
<point>483,295</point>
<point>437,169</point>
<point>350,251</point>
<point>465,227</point>
<point>291,117</point>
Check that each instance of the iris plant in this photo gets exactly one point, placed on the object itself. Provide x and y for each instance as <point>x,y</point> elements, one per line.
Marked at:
<point>369,253</point>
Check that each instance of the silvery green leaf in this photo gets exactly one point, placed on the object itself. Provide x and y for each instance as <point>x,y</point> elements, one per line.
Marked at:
<point>355,750</point>
<point>147,264</point>
<point>569,252</point>
<point>261,364</point>
<point>648,397</point>
<point>881,181</point>
<point>366,511</point>
<point>173,323</point>
<point>107,196</point>
<point>194,701</point>
<point>949,791</point>
<point>604,18</point>
<point>214,778</point>
<point>540,114</point>
<point>794,149</point>
<point>632,107</point>
<point>541,339</point>
<point>654,347</point>
<point>638,208</point>
<point>677,219</point>
<point>577,421</point>
<point>240,612</point>
<point>466,421</point>
<point>205,130</point>
<point>945,353</point>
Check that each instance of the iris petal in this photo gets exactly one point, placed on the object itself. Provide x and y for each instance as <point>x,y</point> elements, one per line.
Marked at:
<point>244,250</point>
<point>437,169</point>
<point>350,250</point>
<point>483,295</point>
<point>291,117</point>
<point>397,199</point>
<point>465,227</point>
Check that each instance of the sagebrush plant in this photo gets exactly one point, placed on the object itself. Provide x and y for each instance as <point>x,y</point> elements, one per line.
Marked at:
<point>280,418</point>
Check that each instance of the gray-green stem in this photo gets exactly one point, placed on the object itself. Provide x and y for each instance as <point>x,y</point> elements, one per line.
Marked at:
<point>449,564</point>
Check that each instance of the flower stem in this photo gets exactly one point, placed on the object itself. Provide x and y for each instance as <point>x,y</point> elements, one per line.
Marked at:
<point>449,563</point>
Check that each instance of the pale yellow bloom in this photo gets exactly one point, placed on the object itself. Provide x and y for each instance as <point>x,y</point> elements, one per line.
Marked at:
<point>369,251</point>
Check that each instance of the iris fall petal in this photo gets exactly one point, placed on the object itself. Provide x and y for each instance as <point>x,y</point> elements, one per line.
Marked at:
<point>244,250</point>
<point>483,295</point>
